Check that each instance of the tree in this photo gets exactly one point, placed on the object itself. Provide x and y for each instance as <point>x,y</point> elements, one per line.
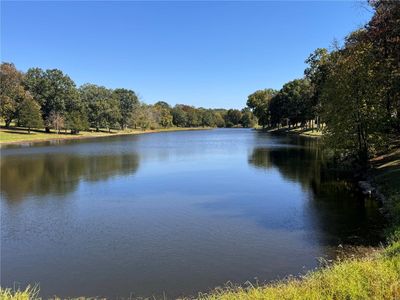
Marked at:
<point>248,120</point>
<point>76,121</point>
<point>258,102</point>
<point>145,117</point>
<point>179,116</point>
<point>233,116</point>
<point>128,101</point>
<point>56,121</point>
<point>219,120</point>
<point>383,32</point>
<point>29,115</point>
<point>296,101</point>
<point>317,73</point>
<point>207,118</point>
<point>52,89</point>
<point>165,117</point>
<point>351,100</point>
<point>12,93</point>
<point>102,106</point>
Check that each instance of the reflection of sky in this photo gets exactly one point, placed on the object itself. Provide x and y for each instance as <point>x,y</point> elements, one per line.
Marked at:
<point>194,215</point>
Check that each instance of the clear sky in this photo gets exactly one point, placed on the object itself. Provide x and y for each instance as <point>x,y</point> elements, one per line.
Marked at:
<point>210,54</point>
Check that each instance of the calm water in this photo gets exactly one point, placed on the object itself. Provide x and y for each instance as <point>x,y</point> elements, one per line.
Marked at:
<point>177,212</point>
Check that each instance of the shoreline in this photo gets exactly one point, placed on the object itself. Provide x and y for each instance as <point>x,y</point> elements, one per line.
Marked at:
<point>86,135</point>
<point>311,133</point>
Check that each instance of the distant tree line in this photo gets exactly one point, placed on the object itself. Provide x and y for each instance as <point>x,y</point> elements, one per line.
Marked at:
<point>353,91</point>
<point>50,99</point>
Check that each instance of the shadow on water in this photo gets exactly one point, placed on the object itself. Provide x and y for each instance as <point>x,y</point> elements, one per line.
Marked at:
<point>339,210</point>
<point>46,174</point>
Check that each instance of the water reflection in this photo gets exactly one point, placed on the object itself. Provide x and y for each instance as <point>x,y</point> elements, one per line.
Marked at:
<point>47,174</point>
<point>341,213</point>
<point>204,208</point>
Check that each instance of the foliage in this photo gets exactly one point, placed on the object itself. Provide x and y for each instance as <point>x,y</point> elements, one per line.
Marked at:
<point>128,101</point>
<point>11,93</point>
<point>52,89</point>
<point>29,115</point>
<point>259,103</point>
<point>353,91</point>
<point>233,117</point>
<point>101,104</point>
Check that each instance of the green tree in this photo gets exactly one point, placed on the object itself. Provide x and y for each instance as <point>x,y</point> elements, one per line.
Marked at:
<point>52,89</point>
<point>12,93</point>
<point>179,116</point>
<point>233,116</point>
<point>207,118</point>
<point>128,101</point>
<point>76,121</point>
<point>219,120</point>
<point>351,101</point>
<point>296,100</point>
<point>102,106</point>
<point>29,115</point>
<point>317,73</point>
<point>258,102</point>
<point>248,120</point>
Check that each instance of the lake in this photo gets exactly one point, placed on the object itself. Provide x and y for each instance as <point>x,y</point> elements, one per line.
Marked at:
<point>172,213</point>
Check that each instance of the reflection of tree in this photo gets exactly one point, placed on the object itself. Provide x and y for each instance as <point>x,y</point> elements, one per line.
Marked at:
<point>59,174</point>
<point>336,207</point>
<point>302,163</point>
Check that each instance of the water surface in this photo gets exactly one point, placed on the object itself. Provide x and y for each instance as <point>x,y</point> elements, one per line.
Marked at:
<point>172,213</point>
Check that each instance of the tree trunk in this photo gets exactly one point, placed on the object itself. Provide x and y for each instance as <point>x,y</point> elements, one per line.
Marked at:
<point>47,129</point>
<point>29,130</point>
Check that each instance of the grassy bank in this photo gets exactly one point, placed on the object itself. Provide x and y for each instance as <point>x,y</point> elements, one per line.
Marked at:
<point>15,135</point>
<point>374,277</point>
<point>309,132</point>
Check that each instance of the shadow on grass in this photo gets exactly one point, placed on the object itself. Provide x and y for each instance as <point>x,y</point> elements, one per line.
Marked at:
<point>17,132</point>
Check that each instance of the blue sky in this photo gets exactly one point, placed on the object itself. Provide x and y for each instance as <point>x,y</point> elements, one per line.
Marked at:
<point>210,54</point>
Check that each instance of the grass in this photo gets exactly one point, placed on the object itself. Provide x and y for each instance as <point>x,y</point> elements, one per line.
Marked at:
<point>374,277</point>
<point>20,135</point>
<point>310,132</point>
<point>17,294</point>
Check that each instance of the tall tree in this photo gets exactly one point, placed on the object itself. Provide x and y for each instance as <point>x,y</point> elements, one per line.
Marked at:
<point>52,89</point>
<point>102,106</point>
<point>29,115</point>
<point>12,93</point>
<point>351,102</point>
<point>128,101</point>
<point>258,102</point>
<point>317,73</point>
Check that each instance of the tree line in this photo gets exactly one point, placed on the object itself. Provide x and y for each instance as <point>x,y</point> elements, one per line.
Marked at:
<point>352,92</point>
<point>50,99</point>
